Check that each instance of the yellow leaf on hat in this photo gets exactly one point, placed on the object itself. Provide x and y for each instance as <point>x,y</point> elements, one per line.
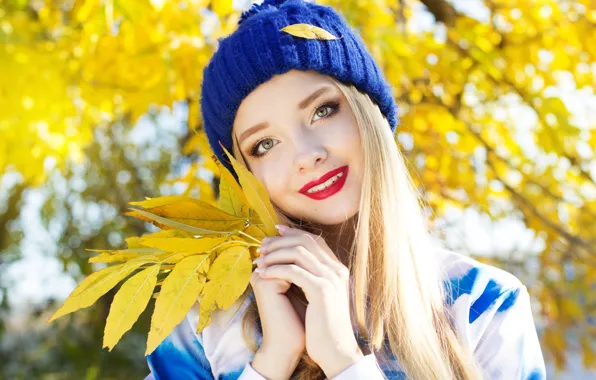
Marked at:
<point>308,31</point>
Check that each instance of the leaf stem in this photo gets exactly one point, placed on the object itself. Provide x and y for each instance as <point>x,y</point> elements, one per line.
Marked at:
<point>248,236</point>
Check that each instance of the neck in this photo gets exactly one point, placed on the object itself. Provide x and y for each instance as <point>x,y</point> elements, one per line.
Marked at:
<point>339,237</point>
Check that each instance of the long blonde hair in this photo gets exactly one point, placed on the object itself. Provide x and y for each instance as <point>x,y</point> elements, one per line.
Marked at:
<point>399,289</point>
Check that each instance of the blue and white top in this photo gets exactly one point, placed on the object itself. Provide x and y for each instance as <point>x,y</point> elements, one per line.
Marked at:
<point>489,308</point>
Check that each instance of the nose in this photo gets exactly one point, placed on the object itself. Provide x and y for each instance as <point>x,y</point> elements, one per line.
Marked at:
<point>310,151</point>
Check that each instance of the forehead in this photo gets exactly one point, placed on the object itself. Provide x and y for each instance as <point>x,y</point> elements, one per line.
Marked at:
<point>282,90</point>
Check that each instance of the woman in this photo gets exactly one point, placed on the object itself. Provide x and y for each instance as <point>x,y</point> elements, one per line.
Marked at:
<point>352,288</point>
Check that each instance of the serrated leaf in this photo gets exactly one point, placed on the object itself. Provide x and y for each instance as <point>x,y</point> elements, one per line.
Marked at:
<point>160,201</point>
<point>231,198</point>
<point>309,32</point>
<point>183,245</point>
<point>98,284</point>
<point>193,212</point>
<point>137,251</point>
<point>137,214</point>
<point>228,277</point>
<point>128,304</point>
<point>168,234</point>
<point>177,225</point>
<point>111,256</point>
<point>132,242</point>
<point>256,194</point>
<point>178,293</point>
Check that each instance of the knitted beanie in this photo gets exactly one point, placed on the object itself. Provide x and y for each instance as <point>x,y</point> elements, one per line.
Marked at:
<point>258,49</point>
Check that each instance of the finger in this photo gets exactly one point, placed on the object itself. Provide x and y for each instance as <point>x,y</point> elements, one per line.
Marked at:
<point>257,282</point>
<point>309,283</point>
<point>293,236</point>
<point>297,255</point>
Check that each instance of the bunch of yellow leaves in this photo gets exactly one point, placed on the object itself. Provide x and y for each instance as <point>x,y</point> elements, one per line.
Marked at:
<point>201,253</point>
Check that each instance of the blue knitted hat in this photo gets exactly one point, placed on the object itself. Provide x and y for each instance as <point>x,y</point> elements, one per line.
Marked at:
<point>257,50</point>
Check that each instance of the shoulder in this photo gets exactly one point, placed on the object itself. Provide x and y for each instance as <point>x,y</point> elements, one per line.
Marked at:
<point>476,291</point>
<point>491,313</point>
<point>470,279</point>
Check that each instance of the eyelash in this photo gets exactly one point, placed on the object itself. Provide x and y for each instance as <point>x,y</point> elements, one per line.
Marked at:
<point>334,108</point>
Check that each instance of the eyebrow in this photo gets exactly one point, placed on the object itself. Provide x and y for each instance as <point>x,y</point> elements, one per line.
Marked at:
<point>302,105</point>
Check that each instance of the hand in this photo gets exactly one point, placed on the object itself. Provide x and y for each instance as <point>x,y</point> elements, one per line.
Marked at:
<point>307,261</point>
<point>283,331</point>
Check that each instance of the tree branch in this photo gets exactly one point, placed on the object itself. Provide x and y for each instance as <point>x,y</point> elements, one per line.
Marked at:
<point>442,10</point>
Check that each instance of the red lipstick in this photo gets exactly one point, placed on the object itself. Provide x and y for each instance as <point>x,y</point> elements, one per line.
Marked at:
<point>329,191</point>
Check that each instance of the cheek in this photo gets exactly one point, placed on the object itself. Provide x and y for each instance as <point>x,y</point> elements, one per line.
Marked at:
<point>344,136</point>
<point>274,177</point>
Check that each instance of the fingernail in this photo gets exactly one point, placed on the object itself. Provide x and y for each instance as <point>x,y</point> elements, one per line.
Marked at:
<point>258,261</point>
<point>259,271</point>
<point>281,227</point>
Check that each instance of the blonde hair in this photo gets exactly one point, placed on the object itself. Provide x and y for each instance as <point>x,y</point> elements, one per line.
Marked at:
<point>393,264</point>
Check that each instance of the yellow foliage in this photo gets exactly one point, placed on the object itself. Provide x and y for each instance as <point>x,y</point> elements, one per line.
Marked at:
<point>128,304</point>
<point>98,284</point>
<point>183,245</point>
<point>256,195</point>
<point>214,269</point>
<point>178,293</point>
<point>464,87</point>
<point>231,198</point>
<point>228,278</point>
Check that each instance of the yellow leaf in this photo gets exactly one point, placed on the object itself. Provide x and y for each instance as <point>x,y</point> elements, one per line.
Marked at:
<point>132,242</point>
<point>167,234</point>
<point>308,31</point>
<point>163,201</point>
<point>182,245</point>
<point>96,285</point>
<point>128,304</point>
<point>222,7</point>
<point>255,232</point>
<point>231,198</point>
<point>137,214</point>
<point>200,214</point>
<point>178,293</point>
<point>174,224</point>
<point>228,277</point>
<point>193,212</point>
<point>110,256</point>
<point>256,194</point>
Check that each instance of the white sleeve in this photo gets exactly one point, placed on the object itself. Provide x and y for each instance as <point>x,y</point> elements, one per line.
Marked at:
<point>250,373</point>
<point>365,368</point>
<point>509,347</point>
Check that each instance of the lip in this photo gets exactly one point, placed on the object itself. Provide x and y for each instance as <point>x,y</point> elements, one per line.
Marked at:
<point>334,188</point>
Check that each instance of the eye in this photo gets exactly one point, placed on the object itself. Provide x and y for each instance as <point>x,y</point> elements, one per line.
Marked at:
<point>266,143</point>
<point>326,110</point>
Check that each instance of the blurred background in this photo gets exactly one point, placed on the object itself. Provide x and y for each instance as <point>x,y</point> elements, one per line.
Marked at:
<point>99,104</point>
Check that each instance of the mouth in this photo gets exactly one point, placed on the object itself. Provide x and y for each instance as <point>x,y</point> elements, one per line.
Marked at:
<point>327,185</point>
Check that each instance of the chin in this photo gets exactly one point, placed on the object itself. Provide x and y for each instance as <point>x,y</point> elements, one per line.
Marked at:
<point>325,218</point>
<point>321,212</point>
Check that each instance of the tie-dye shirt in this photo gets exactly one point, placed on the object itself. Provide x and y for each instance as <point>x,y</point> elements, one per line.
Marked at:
<point>489,308</point>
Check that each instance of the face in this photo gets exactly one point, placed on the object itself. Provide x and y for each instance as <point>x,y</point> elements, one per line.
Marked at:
<point>295,132</point>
